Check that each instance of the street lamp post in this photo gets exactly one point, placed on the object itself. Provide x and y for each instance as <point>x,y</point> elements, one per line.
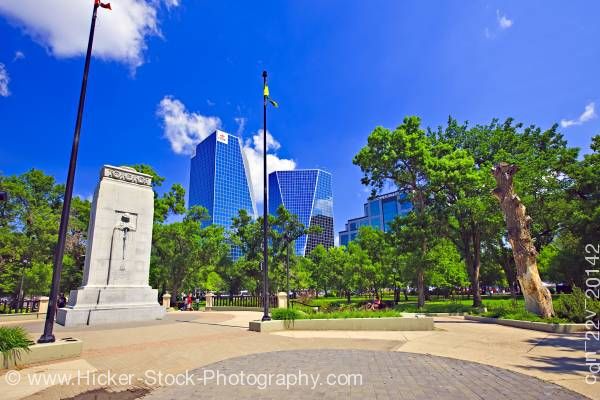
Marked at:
<point>48,336</point>
<point>265,316</point>
<point>287,271</point>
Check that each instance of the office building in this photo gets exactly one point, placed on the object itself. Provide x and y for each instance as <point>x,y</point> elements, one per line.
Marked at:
<point>220,180</point>
<point>379,212</point>
<point>306,193</point>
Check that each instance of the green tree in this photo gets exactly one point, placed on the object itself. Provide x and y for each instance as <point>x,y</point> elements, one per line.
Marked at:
<point>403,157</point>
<point>320,274</point>
<point>286,228</point>
<point>498,252</point>
<point>351,277</point>
<point>28,232</point>
<point>475,221</point>
<point>447,271</point>
<point>171,202</point>
<point>214,282</point>
<point>464,196</point>
<point>411,160</point>
<point>564,259</point>
<point>335,263</point>
<point>184,254</point>
<point>302,275</point>
<point>76,245</point>
<point>246,235</point>
<point>378,271</point>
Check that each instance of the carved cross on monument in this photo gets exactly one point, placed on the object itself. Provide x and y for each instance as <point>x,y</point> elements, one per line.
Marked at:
<point>125,224</point>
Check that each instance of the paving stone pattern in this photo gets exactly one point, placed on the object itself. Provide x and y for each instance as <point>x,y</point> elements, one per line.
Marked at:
<point>385,375</point>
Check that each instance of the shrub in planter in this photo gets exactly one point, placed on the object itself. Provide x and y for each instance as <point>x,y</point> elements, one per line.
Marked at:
<point>348,307</point>
<point>327,307</point>
<point>286,314</point>
<point>13,340</point>
<point>354,314</point>
<point>577,306</point>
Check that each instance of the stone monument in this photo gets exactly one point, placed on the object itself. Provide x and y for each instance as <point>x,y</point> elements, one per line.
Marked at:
<point>117,261</point>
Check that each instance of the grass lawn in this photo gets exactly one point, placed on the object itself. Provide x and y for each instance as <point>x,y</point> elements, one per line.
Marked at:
<point>353,314</point>
<point>292,314</point>
<point>433,305</point>
<point>6,310</point>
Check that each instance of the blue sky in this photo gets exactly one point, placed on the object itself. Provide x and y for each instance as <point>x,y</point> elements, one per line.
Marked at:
<point>178,68</point>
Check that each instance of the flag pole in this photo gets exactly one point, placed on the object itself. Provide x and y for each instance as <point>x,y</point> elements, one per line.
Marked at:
<point>265,316</point>
<point>48,336</point>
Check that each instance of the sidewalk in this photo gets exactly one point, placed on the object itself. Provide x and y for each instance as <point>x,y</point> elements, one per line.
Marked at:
<point>190,340</point>
<point>552,357</point>
<point>182,341</point>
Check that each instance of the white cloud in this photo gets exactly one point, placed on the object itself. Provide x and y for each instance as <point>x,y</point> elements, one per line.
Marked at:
<point>62,26</point>
<point>503,21</point>
<point>19,55</point>
<point>4,81</point>
<point>588,114</point>
<point>253,149</point>
<point>241,121</point>
<point>184,129</point>
<point>258,141</point>
<point>172,3</point>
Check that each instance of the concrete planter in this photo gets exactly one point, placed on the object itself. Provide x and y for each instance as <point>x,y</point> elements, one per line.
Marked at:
<point>536,326</point>
<point>59,350</point>
<point>439,314</point>
<point>347,324</point>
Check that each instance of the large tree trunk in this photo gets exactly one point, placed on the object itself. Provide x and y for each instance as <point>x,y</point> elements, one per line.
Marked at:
<point>174,294</point>
<point>421,288</point>
<point>473,267</point>
<point>537,298</point>
<point>420,208</point>
<point>476,266</point>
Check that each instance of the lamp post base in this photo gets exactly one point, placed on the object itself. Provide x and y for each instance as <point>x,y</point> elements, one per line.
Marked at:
<point>265,318</point>
<point>47,339</point>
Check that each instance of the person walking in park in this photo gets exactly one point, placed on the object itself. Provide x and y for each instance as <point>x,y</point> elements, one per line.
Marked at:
<point>189,302</point>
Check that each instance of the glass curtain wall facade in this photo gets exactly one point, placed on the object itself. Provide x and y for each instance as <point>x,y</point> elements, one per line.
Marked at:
<point>220,180</point>
<point>379,213</point>
<point>306,193</point>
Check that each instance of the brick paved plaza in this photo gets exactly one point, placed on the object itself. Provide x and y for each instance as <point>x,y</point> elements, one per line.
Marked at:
<point>478,360</point>
<point>386,375</point>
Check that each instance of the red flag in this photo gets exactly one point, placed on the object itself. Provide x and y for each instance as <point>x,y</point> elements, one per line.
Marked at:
<point>103,5</point>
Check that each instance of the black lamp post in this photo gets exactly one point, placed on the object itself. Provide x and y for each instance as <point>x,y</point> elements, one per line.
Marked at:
<point>265,316</point>
<point>48,336</point>
<point>287,272</point>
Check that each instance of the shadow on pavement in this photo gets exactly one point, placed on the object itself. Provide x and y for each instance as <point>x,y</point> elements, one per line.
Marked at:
<point>575,345</point>
<point>212,324</point>
<point>103,394</point>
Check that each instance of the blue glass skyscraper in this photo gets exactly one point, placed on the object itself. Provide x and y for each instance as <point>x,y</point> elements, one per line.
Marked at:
<point>379,212</point>
<point>306,193</point>
<point>220,180</point>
